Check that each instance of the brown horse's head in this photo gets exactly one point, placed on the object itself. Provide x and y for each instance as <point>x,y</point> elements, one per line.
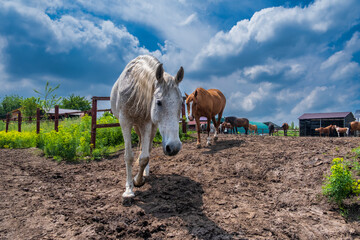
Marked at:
<point>190,104</point>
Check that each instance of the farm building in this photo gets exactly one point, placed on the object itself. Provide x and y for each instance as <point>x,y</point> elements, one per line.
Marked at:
<point>14,114</point>
<point>203,120</point>
<point>309,121</point>
<point>276,127</point>
<point>262,128</point>
<point>357,115</point>
<point>66,113</point>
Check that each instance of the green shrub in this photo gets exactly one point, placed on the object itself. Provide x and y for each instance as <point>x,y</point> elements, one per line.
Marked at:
<point>340,184</point>
<point>15,139</point>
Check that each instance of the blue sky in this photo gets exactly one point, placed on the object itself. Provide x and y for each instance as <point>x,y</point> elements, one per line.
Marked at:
<point>273,60</point>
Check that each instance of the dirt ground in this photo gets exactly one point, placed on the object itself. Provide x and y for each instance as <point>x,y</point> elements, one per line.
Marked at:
<point>242,187</point>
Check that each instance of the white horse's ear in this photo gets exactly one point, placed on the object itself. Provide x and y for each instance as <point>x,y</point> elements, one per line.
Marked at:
<point>160,72</point>
<point>179,75</point>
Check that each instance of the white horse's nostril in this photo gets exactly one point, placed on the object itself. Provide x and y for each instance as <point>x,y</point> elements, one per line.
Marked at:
<point>168,149</point>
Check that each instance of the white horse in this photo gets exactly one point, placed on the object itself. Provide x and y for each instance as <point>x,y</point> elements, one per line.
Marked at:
<point>146,97</point>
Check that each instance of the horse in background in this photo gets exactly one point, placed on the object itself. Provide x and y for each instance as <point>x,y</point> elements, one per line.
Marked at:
<point>285,127</point>
<point>271,129</point>
<point>324,130</point>
<point>207,103</point>
<point>145,97</point>
<point>238,122</point>
<point>253,128</point>
<point>229,128</point>
<point>342,130</point>
<point>354,126</point>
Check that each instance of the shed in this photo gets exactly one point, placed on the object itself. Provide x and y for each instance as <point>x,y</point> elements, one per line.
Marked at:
<point>262,128</point>
<point>276,127</point>
<point>357,115</point>
<point>14,114</point>
<point>309,121</point>
<point>65,112</point>
<point>203,120</point>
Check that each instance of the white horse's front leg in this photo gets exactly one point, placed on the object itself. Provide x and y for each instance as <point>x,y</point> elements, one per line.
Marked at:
<point>153,133</point>
<point>129,157</point>
<point>146,131</point>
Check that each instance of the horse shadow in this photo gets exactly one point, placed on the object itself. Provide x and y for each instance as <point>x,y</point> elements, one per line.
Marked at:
<point>175,195</point>
<point>223,144</point>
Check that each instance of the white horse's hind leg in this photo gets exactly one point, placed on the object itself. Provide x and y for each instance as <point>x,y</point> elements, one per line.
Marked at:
<point>144,156</point>
<point>129,156</point>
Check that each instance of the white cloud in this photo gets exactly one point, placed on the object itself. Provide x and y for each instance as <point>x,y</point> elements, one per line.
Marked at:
<point>309,100</point>
<point>189,20</point>
<point>248,102</point>
<point>340,63</point>
<point>272,67</point>
<point>273,24</point>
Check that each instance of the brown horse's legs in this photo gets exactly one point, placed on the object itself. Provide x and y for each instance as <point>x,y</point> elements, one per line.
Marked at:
<point>208,140</point>
<point>198,143</point>
<point>216,125</point>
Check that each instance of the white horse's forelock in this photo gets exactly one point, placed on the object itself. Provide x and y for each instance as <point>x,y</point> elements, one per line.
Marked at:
<point>142,71</point>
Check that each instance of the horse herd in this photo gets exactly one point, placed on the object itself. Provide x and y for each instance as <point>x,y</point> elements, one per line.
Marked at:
<point>331,129</point>
<point>147,98</point>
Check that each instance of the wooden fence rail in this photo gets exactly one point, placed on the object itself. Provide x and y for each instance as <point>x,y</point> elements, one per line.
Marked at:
<point>20,119</point>
<point>94,126</point>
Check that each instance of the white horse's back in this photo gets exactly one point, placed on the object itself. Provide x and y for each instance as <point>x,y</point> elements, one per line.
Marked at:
<point>134,89</point>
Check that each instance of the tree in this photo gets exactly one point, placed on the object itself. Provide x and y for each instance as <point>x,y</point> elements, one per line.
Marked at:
<point>76,102</point>
<point>9,103</point>
<point>49,99</point>
<point>292,126</point>
<point>29,106</point>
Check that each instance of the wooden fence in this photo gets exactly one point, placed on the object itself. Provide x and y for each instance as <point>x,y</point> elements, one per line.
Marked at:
<point>94,125</point>
<point>94,111</point>
<point>20,119</point>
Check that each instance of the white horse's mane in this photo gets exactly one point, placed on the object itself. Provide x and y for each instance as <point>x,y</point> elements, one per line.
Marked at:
<point>142,71</point>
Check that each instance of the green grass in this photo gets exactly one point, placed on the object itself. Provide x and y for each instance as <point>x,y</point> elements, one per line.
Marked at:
<point>72,141</point>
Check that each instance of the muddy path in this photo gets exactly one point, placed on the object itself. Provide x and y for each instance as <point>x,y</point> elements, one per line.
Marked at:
<point>254,187</point>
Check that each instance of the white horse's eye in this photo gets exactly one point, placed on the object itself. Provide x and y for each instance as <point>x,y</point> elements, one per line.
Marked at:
<point>159,103</point>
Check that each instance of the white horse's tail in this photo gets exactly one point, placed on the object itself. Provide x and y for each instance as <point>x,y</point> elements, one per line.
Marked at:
<point>113,100</point>
<point>347,131</point>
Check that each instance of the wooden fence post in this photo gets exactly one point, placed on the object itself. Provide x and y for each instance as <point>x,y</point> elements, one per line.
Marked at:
<point>19,121</point>
<point>38,120</point>
<point>7,122</point>
<point>183,116</point>
<point>93,123</point>
<point>57,118</point>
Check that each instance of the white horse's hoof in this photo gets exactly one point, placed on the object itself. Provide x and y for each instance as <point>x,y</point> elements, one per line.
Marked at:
<point>128,194</point>
<point>139,183</point>
<point>146,171</point>
<point>215,138</point>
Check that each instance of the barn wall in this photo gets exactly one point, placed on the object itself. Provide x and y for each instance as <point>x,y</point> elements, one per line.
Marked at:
<point>349,118</point>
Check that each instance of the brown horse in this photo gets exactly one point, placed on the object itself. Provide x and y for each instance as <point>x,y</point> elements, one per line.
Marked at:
<point>285,127</point>
<point>325,130</point>
<point>354,126</point>
<point>238,122</point>
<point>229,128</point>
<point>205,103</point>
<point>342,130</point>
<point>253,128</point>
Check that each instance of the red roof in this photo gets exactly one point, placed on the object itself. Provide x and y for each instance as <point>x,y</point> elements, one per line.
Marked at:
<point>324,115</point>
